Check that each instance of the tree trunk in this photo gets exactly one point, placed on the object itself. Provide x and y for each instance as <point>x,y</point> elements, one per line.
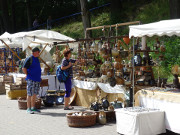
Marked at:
<point>5,15</point>
<point>85,18</point>
<point>13,16</point>
<point>29,13</point>
<point>174,9</point>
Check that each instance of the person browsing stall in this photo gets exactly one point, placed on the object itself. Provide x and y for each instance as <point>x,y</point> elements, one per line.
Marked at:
<point>32,69</point>
<point>67,65</point>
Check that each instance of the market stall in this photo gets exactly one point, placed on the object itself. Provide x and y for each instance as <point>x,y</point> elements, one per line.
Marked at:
<point>155,97</point>
<point>45,39</point>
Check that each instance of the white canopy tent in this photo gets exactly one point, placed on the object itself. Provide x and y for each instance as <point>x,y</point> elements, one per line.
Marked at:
<point>24,40</point>
<point>161,28</point>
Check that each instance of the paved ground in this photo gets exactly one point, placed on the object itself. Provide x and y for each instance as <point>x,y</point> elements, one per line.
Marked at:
<point>51,121</point>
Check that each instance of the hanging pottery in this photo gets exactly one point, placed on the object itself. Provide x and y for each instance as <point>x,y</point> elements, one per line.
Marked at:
<point>116,65</point>
<point>162,48</point>
<point>118,59</point>
<point>100,43</point>
<point>119,80</point>
<point>107,63</point>
<point>109,74</point>
<point>114,52</point>
<point>126,40</point>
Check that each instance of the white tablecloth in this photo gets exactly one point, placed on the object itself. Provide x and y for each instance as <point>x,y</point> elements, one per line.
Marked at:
<point>103,86</point>
<point>108,89</point>
<point>85,85</point>
<point>172,111</point>
<point>150,122</point>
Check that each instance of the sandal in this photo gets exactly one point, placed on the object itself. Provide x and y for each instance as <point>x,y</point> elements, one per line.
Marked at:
<point>71,107</point>
<point>68,108</point>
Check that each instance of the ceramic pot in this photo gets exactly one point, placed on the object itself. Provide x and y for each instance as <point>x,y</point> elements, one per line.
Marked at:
<point>116,104</point>
<point>94,106</point>
<point>118,59</point>
<point>109,74</point>
<point>112,81</point>
<point>119,80</point>
<point>126,40</point>
<point>176,81</point>
<point>116,65</point>
<point>137,60</point>
<point>105,103</point>
<point>162,48</point>
<point>114,52</point>
<point>102,118</point>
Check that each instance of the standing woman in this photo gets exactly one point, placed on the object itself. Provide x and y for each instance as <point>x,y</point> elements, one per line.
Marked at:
<point>67,65</point>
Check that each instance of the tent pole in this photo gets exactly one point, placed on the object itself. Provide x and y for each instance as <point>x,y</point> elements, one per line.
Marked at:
<point>43,49</point>
<point>41,59</point>
<point>11,50</point>
<point>133,73</point>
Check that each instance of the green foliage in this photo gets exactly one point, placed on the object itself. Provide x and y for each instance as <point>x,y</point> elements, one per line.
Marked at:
<point>154,11</point>
<point>171,56</point>
<point>75,30</point>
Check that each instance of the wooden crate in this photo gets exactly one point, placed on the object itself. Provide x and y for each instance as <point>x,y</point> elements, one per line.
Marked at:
<point>12,86</point>
<point>1,78</point>
<point>20,80</point>
<point>6,79</point>
<point>2,89</point>
<point>15,94</point>
<point>44,83</point>
<point>23,86</point>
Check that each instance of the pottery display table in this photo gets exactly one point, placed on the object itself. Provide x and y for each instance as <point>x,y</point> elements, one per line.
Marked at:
<point>167,101</point>
<point>140,121</point>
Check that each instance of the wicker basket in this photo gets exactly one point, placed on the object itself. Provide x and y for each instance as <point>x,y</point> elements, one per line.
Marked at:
<point>81,121</point>
<point>22,103</point>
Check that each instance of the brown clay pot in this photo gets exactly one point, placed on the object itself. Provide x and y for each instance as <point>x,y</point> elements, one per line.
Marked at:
<point>126,40</point>
<point>116,65</point>
<point>118,59</point>
<point>109,74</point>
<point>114,52</point>
<point>162,48</point>
<point>119,81</point>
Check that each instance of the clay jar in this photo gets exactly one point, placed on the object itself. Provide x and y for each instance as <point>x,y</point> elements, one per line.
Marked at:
<point>105,56</point>
<point>102,51</point>
<point>126,40</point>
<point>116,65</point>
<point>114,52</point>
<point>119,80</point>
<point>107,63</point>
<point>102,118</point>
<point>110,73</point>
<point>118,59</point>
<point>162,48</point>
<point>103,69</point>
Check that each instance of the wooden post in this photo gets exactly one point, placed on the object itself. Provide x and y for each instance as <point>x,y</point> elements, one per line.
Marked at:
<point>114,25</point>
<point>43,49</point>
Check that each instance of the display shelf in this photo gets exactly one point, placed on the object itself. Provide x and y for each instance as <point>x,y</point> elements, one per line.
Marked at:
<point>145,51</point>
